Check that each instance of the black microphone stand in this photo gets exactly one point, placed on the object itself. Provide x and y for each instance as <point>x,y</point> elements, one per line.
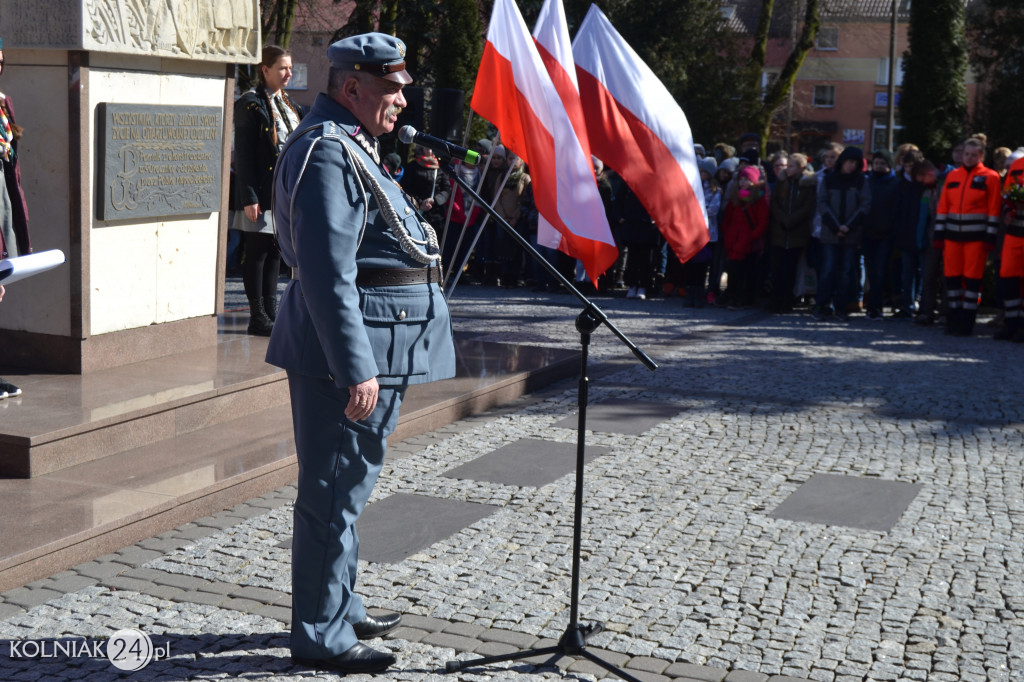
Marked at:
<point>573,641</point>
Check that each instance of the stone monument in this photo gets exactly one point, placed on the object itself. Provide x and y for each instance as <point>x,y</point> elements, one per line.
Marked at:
<point>126,106</point>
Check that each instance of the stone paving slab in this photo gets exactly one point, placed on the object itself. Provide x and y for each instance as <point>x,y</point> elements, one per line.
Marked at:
<point>683,560</point>
<point>530,462</point>
<point>402,525</point>
<point>868,503</point>
<point>622,415</point>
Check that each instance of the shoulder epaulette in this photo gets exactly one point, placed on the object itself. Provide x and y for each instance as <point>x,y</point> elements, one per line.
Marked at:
<point>332,130</point>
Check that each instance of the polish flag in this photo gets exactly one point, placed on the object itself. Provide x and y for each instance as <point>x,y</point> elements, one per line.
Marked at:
<point>636,127</point>
<point>551,34</point>
<point>515,93</point>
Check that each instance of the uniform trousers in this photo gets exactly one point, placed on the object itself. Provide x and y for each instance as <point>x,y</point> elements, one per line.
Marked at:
<point>1011,276</point>
<point>339,461</point>
<point>964,270</point>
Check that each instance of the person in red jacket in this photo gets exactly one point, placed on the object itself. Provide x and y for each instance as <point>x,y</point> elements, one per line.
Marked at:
<point>743,228</point>
<point>1011,266</point>
<point>966,225</point>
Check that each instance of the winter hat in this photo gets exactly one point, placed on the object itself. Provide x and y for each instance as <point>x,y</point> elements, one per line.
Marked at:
<point>698,149</point>
<point>751,173</point>
<point>850,154</point>
<point>708,165</point>
<point>730,164</point>
<point>883,154</point>
<point>484,144</point>
<point>392,161</point>
<point>1017,154</point>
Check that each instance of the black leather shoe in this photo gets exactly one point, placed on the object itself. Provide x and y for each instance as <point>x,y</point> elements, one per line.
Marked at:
<point>358,659</point>
<point>375,626</point>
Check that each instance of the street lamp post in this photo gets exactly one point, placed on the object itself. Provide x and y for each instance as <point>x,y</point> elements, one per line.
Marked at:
<point>891,109</point>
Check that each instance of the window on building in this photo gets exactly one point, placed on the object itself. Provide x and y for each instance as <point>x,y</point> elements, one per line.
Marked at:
<point>824,96</point>
<point>883,71</point>
<point>880,132</point>
<point>828,38</point>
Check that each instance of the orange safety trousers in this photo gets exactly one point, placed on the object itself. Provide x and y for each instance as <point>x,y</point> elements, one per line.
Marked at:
<point>964,269</point>
<point>1011,277</point>
<point>1012,264</point>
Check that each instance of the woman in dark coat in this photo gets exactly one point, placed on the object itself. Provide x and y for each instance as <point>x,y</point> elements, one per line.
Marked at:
<point>14,239</point>
<point>264,117</point>
<point>793,203</point>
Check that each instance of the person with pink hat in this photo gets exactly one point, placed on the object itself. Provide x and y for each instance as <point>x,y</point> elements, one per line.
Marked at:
<point>744,225</point>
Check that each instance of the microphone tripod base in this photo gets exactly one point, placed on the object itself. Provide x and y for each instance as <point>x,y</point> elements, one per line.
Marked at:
<point>573,642</point>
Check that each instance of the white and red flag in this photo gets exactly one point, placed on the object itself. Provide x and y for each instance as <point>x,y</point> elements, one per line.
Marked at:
<point>515,93</point>
<point>551,33</point>
<point>636,127</point>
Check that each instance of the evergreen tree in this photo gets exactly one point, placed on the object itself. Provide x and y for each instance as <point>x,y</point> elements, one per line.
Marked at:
<point>933,104</point>
<point>456,57</point>
<point>996,30</point>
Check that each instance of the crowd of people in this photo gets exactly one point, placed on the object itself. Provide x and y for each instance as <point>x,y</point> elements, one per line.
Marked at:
<point>894,235</point>
<point>885,235</point>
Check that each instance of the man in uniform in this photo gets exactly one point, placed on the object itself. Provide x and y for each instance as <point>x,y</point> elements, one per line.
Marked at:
<point>966,225</point>
<point>362,318</point>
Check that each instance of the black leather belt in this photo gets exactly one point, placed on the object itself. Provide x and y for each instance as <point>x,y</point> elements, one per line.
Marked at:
<point>396,277</point>
<point>393,277</point>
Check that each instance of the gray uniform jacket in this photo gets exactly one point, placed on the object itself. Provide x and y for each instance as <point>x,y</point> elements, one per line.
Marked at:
<point>327,326</point>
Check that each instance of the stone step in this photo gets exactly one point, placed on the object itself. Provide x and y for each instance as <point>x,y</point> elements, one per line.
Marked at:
<point>62,421</point>
<point>75,514</point>
<point>116,459</point>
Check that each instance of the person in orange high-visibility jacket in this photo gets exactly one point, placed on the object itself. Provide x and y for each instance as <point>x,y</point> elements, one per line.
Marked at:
<point>966,226</point>
<point>1011,267</point>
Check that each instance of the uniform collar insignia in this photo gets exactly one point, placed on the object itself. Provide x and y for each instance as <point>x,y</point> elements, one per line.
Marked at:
<point>369,144</point>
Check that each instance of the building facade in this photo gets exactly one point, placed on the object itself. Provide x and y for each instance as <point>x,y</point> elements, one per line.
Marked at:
<point>841,92</point>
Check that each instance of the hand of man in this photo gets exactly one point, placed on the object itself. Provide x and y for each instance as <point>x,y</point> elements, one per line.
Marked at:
<point>427,204</point>
<point>362,399</point>
<point>252,212</point>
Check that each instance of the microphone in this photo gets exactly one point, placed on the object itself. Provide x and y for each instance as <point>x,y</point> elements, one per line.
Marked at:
<point>409,135</point>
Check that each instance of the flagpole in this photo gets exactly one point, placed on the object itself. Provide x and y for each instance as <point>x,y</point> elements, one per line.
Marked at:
<point>451,197</point>
<point>469,206</point>
<point>450,291</point>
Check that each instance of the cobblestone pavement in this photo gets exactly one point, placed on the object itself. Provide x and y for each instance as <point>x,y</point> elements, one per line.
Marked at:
<point>685,560</point>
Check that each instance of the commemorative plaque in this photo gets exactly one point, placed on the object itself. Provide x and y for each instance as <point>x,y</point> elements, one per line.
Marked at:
<point>157,160</point>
